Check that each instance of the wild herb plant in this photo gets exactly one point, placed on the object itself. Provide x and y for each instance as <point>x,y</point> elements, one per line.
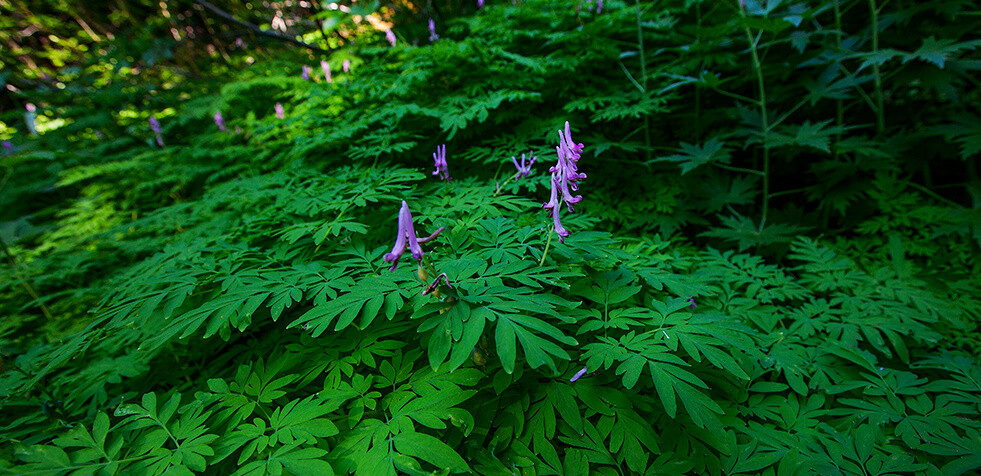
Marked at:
<point>774,270</point>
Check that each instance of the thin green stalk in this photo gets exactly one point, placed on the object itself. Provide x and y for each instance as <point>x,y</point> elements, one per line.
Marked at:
<point>757,66</point>
<point>701,67</point>
<point>880,117</point>
<point>840,115</point>
<point>547,243</point>
<point>643,78</point>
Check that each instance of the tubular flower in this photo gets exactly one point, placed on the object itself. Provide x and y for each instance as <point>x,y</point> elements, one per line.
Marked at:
<point>220,122</point>
<point>565,179</point>
<point>280,114</point>
<point>407,236</point>
<point>524,168</point>
<point>325,67</point>
<point>390,36</point>
<point>157,130</point>
<point>306,73</point>
<point>7,146</point>
<point>440,163</point>
<point>346,65</point>
<point>480,3</point>
<point>432,31</point>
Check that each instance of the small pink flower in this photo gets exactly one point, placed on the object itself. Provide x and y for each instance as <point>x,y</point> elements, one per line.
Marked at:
<point>279,111</point>
<point>346,65</point>
<point>325,67</point>
<point>390,36</point>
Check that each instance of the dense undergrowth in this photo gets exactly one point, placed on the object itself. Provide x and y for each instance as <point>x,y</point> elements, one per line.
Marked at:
<point>773,269</point>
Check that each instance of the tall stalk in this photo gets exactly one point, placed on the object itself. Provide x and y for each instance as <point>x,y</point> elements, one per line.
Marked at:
<point>880,118</point>
<point>764,121</point>
<point>840,116</point>
<point>643,79</point>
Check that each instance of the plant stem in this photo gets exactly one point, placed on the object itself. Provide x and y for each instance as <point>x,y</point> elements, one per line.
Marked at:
<point>547,244</point>
<point>757,66</point>
<point>643,80</point>
<point>880,117</point>
<point>840,116</point>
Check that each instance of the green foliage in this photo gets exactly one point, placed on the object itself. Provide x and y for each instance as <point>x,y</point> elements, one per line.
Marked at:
<point>774,268</point>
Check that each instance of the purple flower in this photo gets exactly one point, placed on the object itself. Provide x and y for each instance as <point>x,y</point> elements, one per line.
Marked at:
<point>599,6</point>
<point>239,43</point>
<point>565,179</point>
<point>390,36</point>
<point>306,73</point>
<point>691,302</point>
<point>220,122</point>
<point>578,375</point>
<point>432,31</point>
<point>279,111</point>
<point>480,3</point>
<point>155,125</point>
<point>30,107</point>
<point>523,168</point>
<point>407,235</point>
<point>439,157</point>
<point>325,67</point>
<point>346,65</point>
<point>7,146</point>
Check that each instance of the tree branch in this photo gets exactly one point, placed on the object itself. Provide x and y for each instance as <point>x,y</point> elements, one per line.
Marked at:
<point>256,29</point>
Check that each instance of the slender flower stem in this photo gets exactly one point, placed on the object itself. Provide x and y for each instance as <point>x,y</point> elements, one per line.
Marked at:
<point>880,118</point>
<point>547,244</point>
<point>757,66</point>
<point>498,192</point>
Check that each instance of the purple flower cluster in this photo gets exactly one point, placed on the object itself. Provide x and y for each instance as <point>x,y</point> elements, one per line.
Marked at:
<point>220,122</point>
<point>439,157</point>
<point>523,168</point>
<point>157,130</point>
<point>390,36</point>
<point>565,179</point>
<point>280,114</point>
<point>325,67</point>
<point>432,31</point>
<point>7,146</point>
<point>480,3</point>
<point>306,73</point>
<point>346,65</point>
<point>407,236</point>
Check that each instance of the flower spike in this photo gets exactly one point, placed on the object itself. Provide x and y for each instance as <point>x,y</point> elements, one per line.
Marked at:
<point>565,178</point>
<point>524,168</point>
<point>440,163</point>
